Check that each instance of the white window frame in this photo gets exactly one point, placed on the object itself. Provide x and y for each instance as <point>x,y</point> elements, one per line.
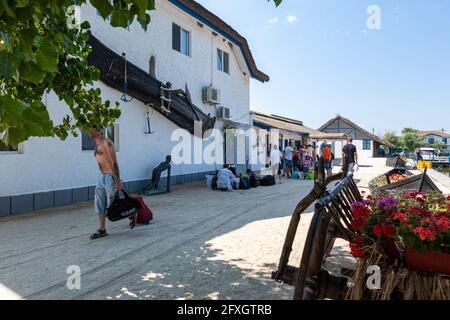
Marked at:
<point>189,31</point>
<point>222,54</point>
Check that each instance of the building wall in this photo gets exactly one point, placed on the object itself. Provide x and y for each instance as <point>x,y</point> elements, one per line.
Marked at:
<point>50,164</point>
<point>438,140</point>
<point>198,71</point>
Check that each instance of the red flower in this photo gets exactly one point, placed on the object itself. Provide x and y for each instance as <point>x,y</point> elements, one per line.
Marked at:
<point>425,234</point>
<point>358,224</point>
<point>356,247</point>
<point>388,231</point>
<point>360,213</point>
<point>357,252</point>
<point>378,230</point>
<point>401,217</point>
<point>384,229</point>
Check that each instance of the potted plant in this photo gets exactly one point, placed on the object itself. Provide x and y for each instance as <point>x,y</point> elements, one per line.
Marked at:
<point>420,222</point>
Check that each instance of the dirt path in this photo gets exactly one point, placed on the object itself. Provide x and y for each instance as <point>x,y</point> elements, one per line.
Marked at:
<point>203,245</point>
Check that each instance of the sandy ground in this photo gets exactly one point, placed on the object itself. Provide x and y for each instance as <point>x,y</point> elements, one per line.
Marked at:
<point>203,244</point>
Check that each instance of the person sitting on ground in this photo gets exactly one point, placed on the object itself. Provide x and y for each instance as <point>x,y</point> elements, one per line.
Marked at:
<point>225,179</point>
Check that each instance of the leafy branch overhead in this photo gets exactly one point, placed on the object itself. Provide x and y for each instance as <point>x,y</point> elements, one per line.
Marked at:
<point>42,49</point>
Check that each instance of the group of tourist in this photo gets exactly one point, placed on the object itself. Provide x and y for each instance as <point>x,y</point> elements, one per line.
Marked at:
<point>298,160</point>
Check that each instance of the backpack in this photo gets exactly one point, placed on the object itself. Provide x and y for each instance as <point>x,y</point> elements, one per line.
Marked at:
<point>268,181</point>
<point>214,183</point>
<point>244,183</point>
<point>252,179</point>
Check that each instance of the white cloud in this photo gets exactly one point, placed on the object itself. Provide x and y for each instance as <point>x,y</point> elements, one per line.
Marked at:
<point>292,19</point>
<point>273,20</point>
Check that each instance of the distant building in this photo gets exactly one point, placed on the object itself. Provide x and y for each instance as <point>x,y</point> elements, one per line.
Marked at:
<point>367,144</point>
<point>436,137</point>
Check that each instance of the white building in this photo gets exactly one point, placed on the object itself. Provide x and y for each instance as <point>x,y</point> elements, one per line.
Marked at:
<point>436,137</point>
<point>367,144</point>
<point>184,44</point>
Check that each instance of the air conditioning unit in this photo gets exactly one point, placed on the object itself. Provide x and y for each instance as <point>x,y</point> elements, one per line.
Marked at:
<point>223,113</point>
<point>211,95</point>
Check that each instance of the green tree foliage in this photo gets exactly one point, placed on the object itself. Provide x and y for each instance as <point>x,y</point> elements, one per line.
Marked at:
<point>410,139</point>
<point>392,138</point>
<point>42,48</point>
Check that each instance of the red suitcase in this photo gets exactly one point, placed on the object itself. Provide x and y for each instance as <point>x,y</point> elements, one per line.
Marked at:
<point>145,215</point>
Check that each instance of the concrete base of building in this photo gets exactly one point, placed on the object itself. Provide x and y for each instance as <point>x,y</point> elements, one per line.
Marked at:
<point>22,203</point>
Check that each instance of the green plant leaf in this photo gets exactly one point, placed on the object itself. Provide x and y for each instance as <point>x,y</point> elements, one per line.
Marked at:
<point>47,56</point>
<point>11,111</point>
<point>8,64</point>
<point>31,72</point>
<point>104,7</point>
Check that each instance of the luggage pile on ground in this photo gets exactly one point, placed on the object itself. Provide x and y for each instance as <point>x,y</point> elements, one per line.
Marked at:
<point>244,181</point>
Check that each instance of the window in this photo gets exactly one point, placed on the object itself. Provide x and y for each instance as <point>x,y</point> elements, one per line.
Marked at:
<point>111,133</point>
<point>431,140</point>
<point>7,148</point>
<point>367,144</point>
<point>223,61</point>
<point>181,40</point>
<point>444,140</point>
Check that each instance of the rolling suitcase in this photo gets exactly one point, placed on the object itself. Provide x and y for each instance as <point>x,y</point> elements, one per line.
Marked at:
<point>145,215</point>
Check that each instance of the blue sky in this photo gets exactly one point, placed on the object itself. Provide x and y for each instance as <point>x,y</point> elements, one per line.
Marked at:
<point>323,60</point>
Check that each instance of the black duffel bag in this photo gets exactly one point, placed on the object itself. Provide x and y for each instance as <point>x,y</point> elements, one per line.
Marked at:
<point>122,208</point>
<point>267,181</point>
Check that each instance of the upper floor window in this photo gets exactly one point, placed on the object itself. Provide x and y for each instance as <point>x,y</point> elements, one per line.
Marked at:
<point>444,140</point>
<point>181,40</point>
<point>367,144</point>
<point>223,61</point>
<point>431,140</point>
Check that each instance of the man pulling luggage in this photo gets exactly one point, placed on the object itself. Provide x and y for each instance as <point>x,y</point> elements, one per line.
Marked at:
<point>108,180</point>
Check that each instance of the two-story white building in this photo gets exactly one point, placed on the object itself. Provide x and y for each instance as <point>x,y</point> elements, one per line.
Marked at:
<point>436,138</point>
<point>185,44</point>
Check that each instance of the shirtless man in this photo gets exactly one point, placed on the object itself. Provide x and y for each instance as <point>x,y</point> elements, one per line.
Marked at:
<point>108,181</point>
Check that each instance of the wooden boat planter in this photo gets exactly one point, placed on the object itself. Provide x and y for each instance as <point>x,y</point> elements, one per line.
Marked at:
<point>395,162</point>
<point>142,86</point>
<point>421,182</point>
<point>386,176</point>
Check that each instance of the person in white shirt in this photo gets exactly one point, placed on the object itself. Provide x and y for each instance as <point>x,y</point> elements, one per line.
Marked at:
<point>225,179</point>
<point>288,160</point>
<point>275,159</point>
